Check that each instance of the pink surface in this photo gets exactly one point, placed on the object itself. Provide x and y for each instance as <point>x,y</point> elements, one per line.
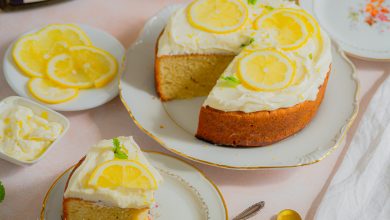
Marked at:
<point>296,188</point>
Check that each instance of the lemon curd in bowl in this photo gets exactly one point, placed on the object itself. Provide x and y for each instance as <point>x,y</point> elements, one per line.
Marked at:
<point>263,66</point>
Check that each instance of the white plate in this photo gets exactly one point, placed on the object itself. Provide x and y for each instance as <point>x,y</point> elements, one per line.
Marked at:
<point>345,21</point>
<point>173,124</point>
<point>186,193</point>
<point>88,98</point>
<point>38,110</point>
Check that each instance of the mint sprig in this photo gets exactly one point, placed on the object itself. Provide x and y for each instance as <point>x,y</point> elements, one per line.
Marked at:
<point>269,7</point>
<point>252,2</point>
<point>2,192</point>
<point>118,152</point>
<point>230,81</point>
<point>251,40</point>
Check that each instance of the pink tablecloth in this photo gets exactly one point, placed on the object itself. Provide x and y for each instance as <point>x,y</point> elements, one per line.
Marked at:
<point>296,188</point>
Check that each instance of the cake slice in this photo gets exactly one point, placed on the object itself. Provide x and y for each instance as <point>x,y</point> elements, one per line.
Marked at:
<point>113,181</point>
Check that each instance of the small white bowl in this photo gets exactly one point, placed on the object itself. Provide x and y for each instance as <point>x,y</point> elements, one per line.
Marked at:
<point>53,116</point>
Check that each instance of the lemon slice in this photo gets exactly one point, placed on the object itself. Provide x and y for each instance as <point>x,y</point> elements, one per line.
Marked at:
<point>266,70</point>
<point>217,16</point>
<point>313,28</point>
<point>69,33</point>
<point>48,92</point>
<point>32,52</point>
<point>288,28</point>
<point>122,173</point>
<point>83,67</point>
<point>98,64</point>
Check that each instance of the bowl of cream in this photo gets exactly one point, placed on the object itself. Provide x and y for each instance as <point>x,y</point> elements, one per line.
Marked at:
<point>28,130</point>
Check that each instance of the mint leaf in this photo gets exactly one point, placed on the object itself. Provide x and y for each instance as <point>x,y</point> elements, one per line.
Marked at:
<point>252,2</point>
<point>311,56</point>
<point>269,7</point>
<point>121,155</point>
<point>116,144</point>
<point>118,149</point>
<point>251,40</point>
<point>230,81</point>
<point>2,192</point>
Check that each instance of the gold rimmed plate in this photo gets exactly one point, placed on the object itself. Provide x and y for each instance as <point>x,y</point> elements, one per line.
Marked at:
<point>173,124</point>
<point>186,192</point>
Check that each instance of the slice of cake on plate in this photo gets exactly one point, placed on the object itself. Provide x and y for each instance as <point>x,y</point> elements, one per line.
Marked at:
<point>264,66</point>
<point>113,181</point>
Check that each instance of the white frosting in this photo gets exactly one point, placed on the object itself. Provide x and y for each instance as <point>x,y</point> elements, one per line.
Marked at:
<point>120,197</point>
<point>25,135</point>
<point>180,37</point>
<point>312,73</point>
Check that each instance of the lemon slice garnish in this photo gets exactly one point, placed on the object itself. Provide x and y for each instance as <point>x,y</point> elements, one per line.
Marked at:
<point>83,67</point>
<point>122,173</point>
<point>313,29</point>
<point>32,52</point>
<point>217,16</point>
<point>288,28</point>
<point>266,70</point>
<point>48,92</point>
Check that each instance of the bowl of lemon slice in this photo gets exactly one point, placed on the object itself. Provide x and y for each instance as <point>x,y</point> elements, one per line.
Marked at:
<point>68,67</point>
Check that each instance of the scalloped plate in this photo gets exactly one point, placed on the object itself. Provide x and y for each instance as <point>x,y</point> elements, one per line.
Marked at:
<point>186,193</point>
<point>173,124</point>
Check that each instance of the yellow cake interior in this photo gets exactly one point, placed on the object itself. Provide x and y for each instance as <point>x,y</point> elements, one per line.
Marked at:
<point>184,77</point>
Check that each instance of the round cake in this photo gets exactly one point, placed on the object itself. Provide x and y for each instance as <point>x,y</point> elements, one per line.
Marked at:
<point>263,65</point>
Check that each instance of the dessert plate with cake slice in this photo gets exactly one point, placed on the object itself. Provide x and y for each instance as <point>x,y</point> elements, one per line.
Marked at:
<point>116,180</point>
<point>255,84</point>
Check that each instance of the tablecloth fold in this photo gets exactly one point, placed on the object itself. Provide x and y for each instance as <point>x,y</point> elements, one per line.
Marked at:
<point>360,190</point>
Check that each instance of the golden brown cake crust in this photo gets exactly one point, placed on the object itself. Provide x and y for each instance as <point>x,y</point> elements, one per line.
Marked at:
<point>239,129</point>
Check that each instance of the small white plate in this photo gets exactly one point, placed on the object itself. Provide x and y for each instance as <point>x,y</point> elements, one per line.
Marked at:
<point>173,124</point>
<point>186,193</point>
<point>347,22</point>
<point>87,98</point>
<point>38,110</point>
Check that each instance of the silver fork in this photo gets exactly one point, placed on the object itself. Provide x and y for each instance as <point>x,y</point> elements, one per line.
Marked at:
<point>250,212</point>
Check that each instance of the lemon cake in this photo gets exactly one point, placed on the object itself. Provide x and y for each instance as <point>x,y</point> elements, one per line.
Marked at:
<point>113,181</point>
<point>263,66</point>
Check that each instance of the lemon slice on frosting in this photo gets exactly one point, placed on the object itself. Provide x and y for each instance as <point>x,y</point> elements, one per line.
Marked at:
<point>122,173</point>
<point>32,52</point>
<point>266,70</point>
<point>217,16</point>
<point>287,27</point>
<point>83,67</point>
<point>48,92</point>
